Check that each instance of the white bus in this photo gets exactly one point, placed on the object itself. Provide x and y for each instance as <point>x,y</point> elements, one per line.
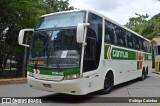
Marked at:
<point>79,52</point>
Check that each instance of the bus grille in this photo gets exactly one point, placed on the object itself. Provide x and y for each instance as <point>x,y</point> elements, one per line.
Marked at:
<point>48,77</point>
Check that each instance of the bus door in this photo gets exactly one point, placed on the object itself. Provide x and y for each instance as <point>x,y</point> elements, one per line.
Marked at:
<point>90,74</point>
<point>92,53</point>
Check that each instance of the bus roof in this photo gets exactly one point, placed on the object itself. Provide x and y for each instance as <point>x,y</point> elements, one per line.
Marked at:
<point>87,10</point>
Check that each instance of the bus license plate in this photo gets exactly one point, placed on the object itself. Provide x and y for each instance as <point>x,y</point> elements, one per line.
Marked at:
<point>47,85</point>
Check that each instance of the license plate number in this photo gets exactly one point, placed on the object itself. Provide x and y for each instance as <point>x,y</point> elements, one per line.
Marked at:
<point>47,85</point>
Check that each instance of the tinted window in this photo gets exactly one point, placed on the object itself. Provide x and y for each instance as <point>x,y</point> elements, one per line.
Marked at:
<point>109,32</point>
<point>90,48</point>
<point>130,43</point>
<point>120,33</point>
<point>141,43</point>
<point>136,40</point>
<point>94,42</point>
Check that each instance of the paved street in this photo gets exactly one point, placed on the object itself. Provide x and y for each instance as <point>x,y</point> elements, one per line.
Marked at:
<point>150,87</point>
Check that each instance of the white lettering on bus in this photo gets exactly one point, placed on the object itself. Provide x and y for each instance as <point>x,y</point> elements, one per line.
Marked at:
<point>57,73</point>
<point>117,53</point>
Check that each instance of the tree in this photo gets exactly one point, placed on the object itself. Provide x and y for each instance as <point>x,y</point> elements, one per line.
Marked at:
<point>135,23</point>
<point>19,14</point>
<point>52,6</point>
<point>16,15</point>
<point>147,28</point>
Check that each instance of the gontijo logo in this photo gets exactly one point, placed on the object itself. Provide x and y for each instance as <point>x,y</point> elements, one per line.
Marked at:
<point>116,53</point>
<point>122,54</point>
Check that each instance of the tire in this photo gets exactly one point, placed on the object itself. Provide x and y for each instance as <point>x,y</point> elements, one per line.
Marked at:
<point>108,84</point>
<point>143,75</point>
<point>146,72</point>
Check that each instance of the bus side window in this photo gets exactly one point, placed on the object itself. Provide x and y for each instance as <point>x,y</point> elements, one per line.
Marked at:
<point>136,41</point>
<point>129,40</point>
<point>149,47</point>
<point>137,47</point>
<point>120,41</point>
<point>145,43</point>
<point>141,44</point>
<point>109,32</point>
<point>120,33</point>
<point>107,38</point>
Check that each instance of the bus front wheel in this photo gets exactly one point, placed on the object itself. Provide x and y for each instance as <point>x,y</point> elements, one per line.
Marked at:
<point>108,84</point>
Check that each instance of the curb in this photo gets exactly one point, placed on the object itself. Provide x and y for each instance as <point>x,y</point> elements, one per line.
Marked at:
<point>157,73</point>
<point>13,81</point>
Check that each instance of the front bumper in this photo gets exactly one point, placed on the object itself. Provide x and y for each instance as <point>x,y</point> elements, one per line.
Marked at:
<point>73,87</point>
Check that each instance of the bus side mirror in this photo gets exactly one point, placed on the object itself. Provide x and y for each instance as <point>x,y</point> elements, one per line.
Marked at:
<point>21,36</point>
<point>80,32</point>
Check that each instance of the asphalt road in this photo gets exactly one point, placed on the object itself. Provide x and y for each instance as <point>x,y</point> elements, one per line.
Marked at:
<point>150,87</point>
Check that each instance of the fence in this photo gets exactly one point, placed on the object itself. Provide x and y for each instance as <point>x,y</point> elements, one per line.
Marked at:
<point>13,66</point>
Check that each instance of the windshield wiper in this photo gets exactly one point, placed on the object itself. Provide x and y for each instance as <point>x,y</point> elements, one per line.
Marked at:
<point>57,64</point>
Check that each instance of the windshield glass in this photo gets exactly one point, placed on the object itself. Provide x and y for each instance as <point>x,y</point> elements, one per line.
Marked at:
<point>40,47</point>
<point>65,52</point>
<point>58,48</point>
<point>61,20</point>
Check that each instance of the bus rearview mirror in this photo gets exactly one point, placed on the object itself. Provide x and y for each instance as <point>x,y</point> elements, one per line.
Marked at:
<point>80,32</point>
<point>21,36</point>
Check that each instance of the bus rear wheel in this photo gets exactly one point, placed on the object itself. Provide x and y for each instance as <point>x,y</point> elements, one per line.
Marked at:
<point>108,84</point>
<point>143,76</point>
<point>146,72</point>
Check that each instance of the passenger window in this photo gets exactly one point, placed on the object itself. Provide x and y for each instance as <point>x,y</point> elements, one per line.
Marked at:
<point>120,33</point>
<point>129,40</point>
<point>109,33</point>
<point>136,40</point>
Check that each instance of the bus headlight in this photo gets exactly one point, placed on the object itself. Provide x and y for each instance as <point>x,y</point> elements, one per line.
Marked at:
<point>30,74</point>
<point>73,76</point>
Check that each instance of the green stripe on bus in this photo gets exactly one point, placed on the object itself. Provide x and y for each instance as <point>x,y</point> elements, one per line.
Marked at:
<point>55,72</point>
<point>30,69</point>
<point>123,54</point>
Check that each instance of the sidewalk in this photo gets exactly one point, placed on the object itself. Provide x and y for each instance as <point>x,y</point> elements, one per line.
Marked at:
<point>6,81</point>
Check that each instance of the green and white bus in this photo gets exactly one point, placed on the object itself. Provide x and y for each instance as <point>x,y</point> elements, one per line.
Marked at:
<point>80,51</point>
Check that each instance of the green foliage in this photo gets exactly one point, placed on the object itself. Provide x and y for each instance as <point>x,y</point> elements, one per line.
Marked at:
<point>57,5</point>
<point>135,23</point>
<point>19,14</point>
<point>147,28</point>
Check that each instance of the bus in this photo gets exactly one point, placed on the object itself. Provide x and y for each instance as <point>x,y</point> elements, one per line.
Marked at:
<point>81,51</point>
<point>156,53</point>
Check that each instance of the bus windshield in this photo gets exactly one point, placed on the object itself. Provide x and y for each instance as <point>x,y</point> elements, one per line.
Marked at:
<point>61,20</point>
<point>57,47</point>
